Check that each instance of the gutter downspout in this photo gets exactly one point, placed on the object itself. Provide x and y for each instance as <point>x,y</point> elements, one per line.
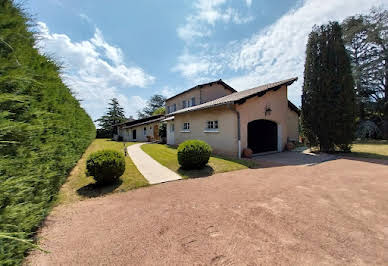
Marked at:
<point>238,130</point>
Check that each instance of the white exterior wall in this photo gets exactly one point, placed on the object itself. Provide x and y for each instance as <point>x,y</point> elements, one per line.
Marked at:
<point>127,134</point>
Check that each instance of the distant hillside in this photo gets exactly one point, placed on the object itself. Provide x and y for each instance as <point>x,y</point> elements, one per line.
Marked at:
<point>43,132</point>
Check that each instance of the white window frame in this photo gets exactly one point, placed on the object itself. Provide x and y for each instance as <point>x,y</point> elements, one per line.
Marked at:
<point>186,127</point>
<point>212,126</point>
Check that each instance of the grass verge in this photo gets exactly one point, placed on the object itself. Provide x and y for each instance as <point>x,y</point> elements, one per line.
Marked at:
<point>167,156</point>
<point>376,149</point>
<point>78,186</point>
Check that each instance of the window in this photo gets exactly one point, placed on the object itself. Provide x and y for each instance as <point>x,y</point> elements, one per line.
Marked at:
<point>184,104</point>
<point>212,124</point>
<point>172,128</point>
<point>145,131</point>
<point>174,107</point>
<point>134,134</point>
<point>193,101</point>
<point>168,109</point>
<point>186,126</point>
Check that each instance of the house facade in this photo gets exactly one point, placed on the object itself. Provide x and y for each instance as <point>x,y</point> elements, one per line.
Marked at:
<point>260,118</point>
<point>141,130</point>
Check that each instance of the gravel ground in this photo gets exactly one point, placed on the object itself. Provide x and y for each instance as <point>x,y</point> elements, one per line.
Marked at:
<point>332,213</point>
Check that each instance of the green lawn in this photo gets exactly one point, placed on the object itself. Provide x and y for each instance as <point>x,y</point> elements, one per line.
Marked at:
<point>377,149</point>
<point>167,156</point>
<point>78,186</point>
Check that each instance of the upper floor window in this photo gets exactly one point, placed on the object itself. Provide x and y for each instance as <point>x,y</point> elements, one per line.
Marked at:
<point>193,101</point>
<point>212,124</point>
<point>174,107</point>
<point>184,104</point>
<point>168,109</point>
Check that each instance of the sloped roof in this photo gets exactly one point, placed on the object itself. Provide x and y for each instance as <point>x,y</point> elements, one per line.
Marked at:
<point>139,121</point>
<point>238,97</point>
<point>226,86</point>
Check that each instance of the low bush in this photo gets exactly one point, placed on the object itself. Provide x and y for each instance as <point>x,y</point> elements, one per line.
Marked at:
<point>105,166</point>
<point>194,154</point>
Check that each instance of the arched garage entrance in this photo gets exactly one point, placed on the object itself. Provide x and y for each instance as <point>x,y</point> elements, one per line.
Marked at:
<point>262,136</point>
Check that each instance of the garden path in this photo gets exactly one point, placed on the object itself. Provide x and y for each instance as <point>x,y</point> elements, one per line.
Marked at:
<point>153,171</point>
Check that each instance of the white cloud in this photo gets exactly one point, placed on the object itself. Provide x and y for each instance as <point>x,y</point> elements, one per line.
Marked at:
<point>206,14</point>
<point>197,68</point>
<point>95,70</point>
<point>249,2</point>
<point>168,92</point>
<point>277,51</point>
<point>85,17</point>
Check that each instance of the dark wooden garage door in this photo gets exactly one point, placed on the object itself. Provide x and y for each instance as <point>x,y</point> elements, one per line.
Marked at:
<point>262,136</point>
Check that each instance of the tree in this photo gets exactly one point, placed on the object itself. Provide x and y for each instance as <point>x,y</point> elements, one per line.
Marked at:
<point>113,116</point>
<point>160,111</point>
<point>155,102</point>
<point>378,36</point>
<point>328,94</point>
<point>366,39</point>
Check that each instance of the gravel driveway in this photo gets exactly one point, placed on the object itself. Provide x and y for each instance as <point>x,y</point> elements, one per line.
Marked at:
<point>332,213</point>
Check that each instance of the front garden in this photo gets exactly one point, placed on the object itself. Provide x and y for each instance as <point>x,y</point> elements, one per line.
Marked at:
<point>79,186</point>
<point>167,156</point>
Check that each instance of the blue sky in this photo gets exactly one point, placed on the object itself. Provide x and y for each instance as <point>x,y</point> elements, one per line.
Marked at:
<point>134,49</point>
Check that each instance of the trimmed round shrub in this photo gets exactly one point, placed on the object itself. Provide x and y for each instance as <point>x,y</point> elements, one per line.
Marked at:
<point>105,166</point>
<point>194,154</point>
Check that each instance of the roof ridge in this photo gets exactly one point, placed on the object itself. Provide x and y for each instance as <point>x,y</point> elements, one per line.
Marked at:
<point>239,96</point>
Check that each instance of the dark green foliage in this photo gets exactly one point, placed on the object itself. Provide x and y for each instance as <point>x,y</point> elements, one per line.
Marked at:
<point>113,116</point>
<point>366,40</point>
<point>105,166</point>
<point>103,134</point>
<point>155,105</point>
<point>328,95</point>
<point>43,132</point>
<point>163,130</point>
<point>194,154</point>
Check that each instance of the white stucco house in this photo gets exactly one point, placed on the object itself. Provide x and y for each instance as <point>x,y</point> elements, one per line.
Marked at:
<point>261,118</point>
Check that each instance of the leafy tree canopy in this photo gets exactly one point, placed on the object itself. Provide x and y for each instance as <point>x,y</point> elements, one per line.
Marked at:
<point>366,40</point>
<point>156,102</point>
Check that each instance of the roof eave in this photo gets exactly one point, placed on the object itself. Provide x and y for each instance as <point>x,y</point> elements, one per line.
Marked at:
<point>263,92</point>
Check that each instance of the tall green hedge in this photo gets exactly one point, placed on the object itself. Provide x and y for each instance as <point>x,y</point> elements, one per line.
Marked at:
<point>43,132</point>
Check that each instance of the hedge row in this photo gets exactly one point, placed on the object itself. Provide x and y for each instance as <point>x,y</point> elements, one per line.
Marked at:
<point>43,132</point>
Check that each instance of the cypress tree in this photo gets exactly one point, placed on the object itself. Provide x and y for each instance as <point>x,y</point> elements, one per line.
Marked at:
<point>328,95</point>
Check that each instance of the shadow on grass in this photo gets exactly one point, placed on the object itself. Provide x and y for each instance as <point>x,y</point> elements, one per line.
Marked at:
<point>250,163</point>
<point>93,190</point>
<point>196,173</point>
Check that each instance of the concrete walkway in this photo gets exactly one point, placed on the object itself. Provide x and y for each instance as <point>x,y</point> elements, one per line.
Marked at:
<point>153,171</point>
